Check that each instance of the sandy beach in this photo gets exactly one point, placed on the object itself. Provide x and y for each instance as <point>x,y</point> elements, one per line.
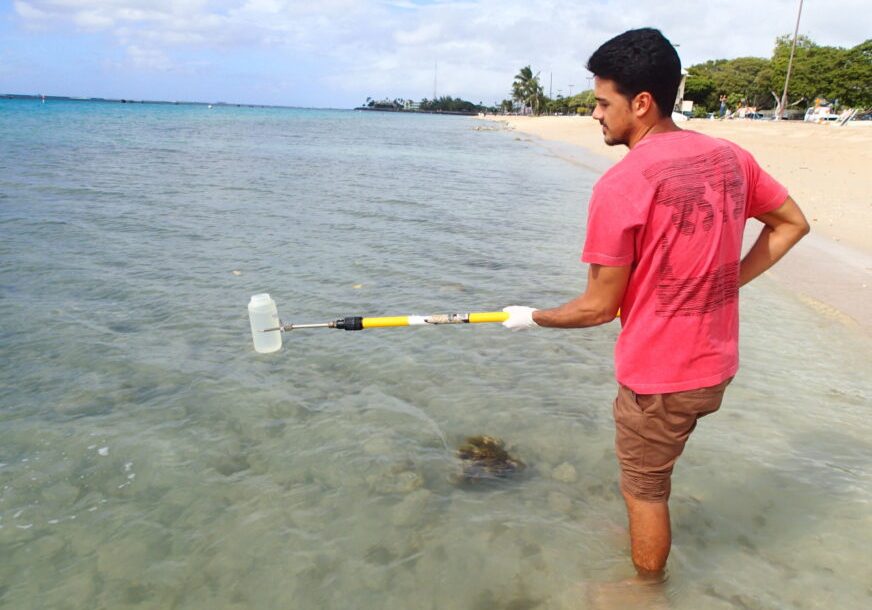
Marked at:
<point>826,170</point>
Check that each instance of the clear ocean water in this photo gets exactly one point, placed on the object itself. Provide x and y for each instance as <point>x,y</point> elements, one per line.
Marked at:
<point>149,458</point>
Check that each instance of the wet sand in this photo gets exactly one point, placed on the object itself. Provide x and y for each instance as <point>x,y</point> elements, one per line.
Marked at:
<point>824,167</point>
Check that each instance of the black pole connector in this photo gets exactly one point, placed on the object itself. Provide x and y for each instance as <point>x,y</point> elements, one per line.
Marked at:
<point>350,323</point>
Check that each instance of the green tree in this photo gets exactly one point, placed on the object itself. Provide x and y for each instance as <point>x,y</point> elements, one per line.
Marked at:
<point>450,104</point>
<point>856,81</point>
<point>527,90</point>
<point>802,80</point>
<point>701,89</point>
<point>743,78</point>
<point>582,103</point>
<point>557,105</point>
<point>832,73</point>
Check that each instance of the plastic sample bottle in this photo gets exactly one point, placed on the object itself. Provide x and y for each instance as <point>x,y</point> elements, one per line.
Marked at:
<point>263,314</point>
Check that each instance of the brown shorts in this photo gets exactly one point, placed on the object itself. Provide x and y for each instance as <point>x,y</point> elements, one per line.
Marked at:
<point>650,433</point>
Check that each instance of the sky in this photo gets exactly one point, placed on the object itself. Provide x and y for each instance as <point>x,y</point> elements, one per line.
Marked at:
<point>336,53</point>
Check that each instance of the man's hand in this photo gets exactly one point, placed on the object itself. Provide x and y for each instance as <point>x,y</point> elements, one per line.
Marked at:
<point>520,317</point>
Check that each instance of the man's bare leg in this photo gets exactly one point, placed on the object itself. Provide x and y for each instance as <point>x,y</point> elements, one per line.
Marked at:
<point>650,536</point>
<point>650,539</point>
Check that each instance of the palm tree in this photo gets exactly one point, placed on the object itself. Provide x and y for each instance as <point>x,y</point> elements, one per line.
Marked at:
<point>527,90</point>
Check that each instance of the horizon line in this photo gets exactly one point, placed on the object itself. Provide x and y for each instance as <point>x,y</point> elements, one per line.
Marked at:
<point>120,100</point>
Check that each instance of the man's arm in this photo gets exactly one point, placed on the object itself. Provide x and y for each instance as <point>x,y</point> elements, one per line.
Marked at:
<point>784,227</point>
<point>599,303</point>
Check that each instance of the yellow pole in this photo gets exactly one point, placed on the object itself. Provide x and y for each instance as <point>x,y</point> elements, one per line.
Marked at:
<point>488,316</point>
<point>386,322</point>
<point>435,319</point>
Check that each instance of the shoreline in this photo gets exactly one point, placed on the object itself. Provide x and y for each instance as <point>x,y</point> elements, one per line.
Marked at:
<point>823,168</point>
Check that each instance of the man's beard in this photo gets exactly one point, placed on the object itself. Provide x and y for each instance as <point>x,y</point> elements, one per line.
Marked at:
<point>613,139</point>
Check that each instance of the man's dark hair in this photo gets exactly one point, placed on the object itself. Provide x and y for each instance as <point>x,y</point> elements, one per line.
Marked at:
<point>640,60</point>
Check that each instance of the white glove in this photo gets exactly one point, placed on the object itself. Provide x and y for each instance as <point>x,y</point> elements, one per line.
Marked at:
<point>520,317</point>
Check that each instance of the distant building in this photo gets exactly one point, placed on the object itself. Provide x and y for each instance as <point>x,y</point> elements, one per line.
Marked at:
<point>410,105</point>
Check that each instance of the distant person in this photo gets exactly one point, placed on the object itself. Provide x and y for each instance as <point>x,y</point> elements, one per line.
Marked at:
<point>663,244</point>
<point>723,105</point>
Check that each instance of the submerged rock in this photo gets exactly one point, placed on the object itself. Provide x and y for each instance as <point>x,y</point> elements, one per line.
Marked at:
<point>485,458</point>
<point>399,478</point>
<point>565,473</point>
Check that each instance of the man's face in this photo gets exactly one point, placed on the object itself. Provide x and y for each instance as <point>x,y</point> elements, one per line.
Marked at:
<point>613,112</point>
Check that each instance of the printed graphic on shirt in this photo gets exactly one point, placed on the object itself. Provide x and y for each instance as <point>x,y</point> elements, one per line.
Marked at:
<point>697,188</point>
<point>682,183</point>
<point>694,296</point>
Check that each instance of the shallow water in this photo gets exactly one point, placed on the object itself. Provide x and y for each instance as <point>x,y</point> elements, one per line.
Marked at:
<point>150,459</point>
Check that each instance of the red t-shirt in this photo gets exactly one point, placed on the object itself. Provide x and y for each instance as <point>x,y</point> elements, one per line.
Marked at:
<point>675,209</point>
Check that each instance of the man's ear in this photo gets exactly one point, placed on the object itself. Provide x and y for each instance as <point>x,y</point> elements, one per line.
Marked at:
<point>643,103</point>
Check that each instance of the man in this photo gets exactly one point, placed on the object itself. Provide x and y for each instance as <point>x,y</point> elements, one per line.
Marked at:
<point>663,242</point>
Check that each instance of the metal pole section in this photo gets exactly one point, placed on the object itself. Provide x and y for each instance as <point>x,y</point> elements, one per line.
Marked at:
<point>789,64</point>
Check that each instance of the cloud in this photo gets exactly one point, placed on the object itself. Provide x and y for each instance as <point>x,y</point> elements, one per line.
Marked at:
<point>423,34</point>
<point>389,47</point>
<point>29,12</point>
<point>149,59</point>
